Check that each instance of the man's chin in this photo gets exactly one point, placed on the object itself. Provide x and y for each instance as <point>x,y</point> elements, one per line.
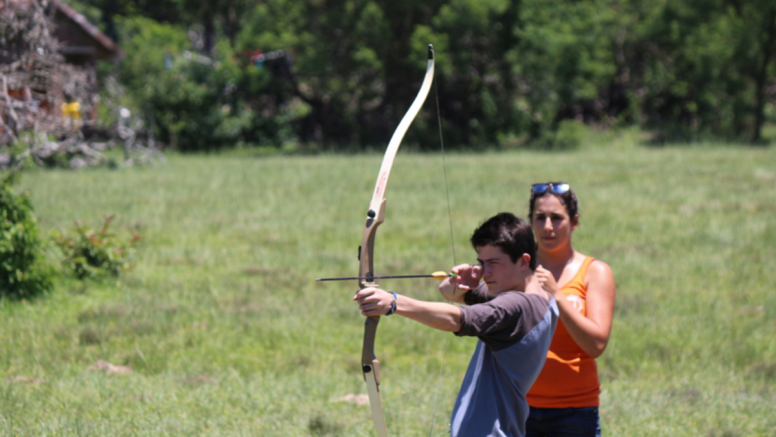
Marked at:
<point>494,288</point>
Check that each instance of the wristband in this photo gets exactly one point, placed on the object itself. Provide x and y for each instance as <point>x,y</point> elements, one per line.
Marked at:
<point>393,305</point>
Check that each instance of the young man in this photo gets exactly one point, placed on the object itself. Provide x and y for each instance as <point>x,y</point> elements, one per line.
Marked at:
<point>514,320</point>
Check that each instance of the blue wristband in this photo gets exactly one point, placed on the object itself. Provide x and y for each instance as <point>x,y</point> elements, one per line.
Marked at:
<point>393,305</point>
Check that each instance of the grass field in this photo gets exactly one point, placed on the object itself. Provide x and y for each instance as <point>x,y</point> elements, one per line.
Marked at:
<point>227,332</point>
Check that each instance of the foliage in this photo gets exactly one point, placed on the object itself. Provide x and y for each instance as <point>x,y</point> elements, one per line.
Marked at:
<point>684,70</point>
<point>570,135</point>
<point>23,272</point>
<point>200,103</point>
<point>95,253</point>
<point>146,43</point>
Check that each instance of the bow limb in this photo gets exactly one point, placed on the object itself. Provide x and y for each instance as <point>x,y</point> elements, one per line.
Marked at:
<point>375,217</point>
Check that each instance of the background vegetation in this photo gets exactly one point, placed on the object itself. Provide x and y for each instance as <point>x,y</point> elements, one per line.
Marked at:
<point>220,329</point>
<point>227,333</point>
<point>510,73</point>
<point>23,270</point>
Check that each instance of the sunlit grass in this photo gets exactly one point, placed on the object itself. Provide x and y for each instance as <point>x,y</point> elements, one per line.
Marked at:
<point>228,334</point>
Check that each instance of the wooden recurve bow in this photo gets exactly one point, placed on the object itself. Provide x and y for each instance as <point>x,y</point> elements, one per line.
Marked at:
<point>375,217</point>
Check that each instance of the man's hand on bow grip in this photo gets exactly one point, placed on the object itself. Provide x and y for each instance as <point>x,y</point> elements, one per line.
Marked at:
<point>373,301</point>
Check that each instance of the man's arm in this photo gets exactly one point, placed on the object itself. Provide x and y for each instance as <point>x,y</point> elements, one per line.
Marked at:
<point>437,315</point>
<point>451,292</point>
<point>467,278</point>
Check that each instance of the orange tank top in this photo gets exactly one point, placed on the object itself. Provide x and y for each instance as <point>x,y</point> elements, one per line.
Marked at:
<point>570,376</point>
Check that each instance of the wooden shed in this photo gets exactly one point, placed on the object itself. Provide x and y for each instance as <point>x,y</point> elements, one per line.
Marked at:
<point>81,43</point>
<point>49,55</point>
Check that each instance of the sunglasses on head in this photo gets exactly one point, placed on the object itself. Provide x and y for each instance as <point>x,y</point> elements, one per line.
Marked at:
<point>553,187</point>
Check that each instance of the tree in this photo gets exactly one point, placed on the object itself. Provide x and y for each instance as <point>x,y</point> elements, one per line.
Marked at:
<point>684,70</point>
<point>754,31</point>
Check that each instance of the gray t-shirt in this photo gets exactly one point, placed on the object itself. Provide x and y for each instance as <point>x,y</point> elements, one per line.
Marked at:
<point>515,330</point>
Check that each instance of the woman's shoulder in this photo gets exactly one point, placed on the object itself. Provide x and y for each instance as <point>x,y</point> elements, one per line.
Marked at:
<point>596,266</point>
<point>599,272</point>
<point>599,267</point>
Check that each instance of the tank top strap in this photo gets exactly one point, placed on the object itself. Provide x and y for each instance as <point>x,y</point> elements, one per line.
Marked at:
<point>579,277</point>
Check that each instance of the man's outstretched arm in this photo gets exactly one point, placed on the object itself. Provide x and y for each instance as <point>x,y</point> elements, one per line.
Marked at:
<point>438,315</point>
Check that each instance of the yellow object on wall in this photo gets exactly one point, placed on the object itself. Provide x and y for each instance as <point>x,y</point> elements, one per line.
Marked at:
<point>71,110</point>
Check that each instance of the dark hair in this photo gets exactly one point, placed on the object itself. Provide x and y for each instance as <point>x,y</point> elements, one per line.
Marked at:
<point>508,232</point>
<point>569,200</point>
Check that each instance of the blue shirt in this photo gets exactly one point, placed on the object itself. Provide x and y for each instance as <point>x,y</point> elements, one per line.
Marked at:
<point>514,330</point>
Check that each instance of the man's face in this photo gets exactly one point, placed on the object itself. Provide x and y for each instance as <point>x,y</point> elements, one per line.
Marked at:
<point>498,270</point>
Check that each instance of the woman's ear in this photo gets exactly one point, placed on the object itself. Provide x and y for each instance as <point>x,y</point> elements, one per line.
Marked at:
<point>574,221</point>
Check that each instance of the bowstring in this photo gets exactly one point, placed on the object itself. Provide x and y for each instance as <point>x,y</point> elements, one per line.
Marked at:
<point>452,245</point>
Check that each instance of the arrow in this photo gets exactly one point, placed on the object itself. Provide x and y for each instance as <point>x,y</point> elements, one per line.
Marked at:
<point>439,276</point>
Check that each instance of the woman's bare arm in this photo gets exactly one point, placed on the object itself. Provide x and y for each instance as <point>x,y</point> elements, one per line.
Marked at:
<point>592,330</point>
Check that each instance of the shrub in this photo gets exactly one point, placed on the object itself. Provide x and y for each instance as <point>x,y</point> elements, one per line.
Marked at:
<point>23,271</point>
<point>94,254</point>
<point>570,135</point>
<point>196,103</point>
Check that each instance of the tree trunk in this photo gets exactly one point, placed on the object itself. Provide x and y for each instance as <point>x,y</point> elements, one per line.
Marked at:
<point>210,32</point>
<point>767,49</point>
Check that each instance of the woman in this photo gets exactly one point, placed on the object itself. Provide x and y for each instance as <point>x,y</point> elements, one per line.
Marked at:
<point>564,399</point>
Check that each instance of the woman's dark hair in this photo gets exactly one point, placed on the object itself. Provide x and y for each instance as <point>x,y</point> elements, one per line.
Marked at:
<point>569,200</point>
<point>508,232</point>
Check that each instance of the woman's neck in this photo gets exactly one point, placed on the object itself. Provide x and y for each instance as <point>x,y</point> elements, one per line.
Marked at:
<point>559,257</point>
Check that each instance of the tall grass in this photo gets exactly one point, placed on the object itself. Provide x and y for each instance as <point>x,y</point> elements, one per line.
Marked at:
<point>228,334</point>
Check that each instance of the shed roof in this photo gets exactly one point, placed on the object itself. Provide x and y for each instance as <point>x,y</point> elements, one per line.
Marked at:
<point>69,13</point>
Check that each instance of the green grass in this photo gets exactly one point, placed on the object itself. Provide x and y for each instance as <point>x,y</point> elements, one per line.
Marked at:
<point>228,334</point>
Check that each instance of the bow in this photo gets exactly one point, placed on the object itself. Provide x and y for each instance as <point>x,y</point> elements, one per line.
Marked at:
<point>375,217</point>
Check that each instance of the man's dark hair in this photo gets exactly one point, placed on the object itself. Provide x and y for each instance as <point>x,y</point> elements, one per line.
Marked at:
<point>508,232</point>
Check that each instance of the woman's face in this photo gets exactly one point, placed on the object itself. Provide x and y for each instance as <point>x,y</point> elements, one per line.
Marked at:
<point>551,223</point>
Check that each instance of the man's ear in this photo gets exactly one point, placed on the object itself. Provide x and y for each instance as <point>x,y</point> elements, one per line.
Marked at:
<point>524,261</point>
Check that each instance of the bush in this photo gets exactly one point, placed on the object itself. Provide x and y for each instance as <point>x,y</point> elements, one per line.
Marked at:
<point>196,103</point>
<point>192,108</point>
<point>94,254</point>
<point>23,271</point>
<point>570,135</point>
